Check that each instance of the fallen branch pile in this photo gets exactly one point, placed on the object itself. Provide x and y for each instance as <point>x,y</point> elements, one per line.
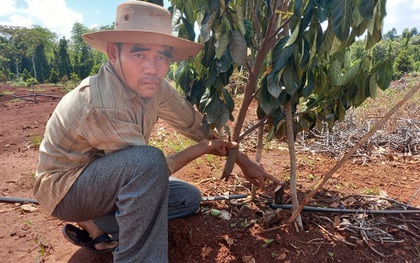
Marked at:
<point>399,136</point>
<point>370,229</point>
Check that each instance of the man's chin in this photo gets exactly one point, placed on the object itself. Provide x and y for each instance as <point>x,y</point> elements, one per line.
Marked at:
<point>148,92</point>
<point>147,97</point>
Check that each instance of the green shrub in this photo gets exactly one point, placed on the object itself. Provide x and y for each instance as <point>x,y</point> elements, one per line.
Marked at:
<point>31,81</point>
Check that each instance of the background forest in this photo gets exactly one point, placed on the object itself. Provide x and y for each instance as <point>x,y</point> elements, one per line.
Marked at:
<point>36,55</point>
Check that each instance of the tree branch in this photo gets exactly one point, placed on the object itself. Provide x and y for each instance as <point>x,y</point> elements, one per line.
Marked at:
<point>248,96</point>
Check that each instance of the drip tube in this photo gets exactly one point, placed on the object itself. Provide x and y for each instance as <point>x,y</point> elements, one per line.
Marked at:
<point>222,197</point>
<point>4,199</point>
<point>352,211</point>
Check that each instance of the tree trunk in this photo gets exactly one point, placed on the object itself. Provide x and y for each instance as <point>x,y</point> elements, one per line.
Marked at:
<point>33,65</point>
<point>258,156</point>
<point>292,155</point>
<point>17,70</point>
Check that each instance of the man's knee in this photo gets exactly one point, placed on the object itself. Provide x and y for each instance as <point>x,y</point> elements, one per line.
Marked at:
<point>145,161</point>
<point>184,198</point>
<point>149,152</point>
<point>146,154</point>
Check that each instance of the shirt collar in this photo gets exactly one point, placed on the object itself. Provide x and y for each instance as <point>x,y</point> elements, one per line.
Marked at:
<point>115,81</point>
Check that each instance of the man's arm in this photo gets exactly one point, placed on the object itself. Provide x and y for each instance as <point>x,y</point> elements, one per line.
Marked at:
<point>215,147</point>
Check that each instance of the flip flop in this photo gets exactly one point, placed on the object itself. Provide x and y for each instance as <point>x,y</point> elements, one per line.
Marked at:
<point>81,238</point>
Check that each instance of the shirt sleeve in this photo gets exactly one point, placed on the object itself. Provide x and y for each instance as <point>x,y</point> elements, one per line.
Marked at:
<point>180,114</point>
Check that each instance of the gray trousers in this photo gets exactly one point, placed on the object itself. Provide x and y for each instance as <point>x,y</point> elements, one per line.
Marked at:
<point>128,195</point>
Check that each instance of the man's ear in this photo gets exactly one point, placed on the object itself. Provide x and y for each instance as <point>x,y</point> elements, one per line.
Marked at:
<point>112,52</point>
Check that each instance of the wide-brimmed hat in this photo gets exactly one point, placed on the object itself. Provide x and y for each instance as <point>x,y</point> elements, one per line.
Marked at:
<point>145,23</point>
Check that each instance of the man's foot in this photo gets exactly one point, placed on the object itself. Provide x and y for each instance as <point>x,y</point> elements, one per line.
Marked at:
<point>94,232</point>
<point>81,238</point>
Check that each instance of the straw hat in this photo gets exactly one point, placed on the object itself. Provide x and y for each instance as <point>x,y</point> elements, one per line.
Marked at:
<point>145,23</point>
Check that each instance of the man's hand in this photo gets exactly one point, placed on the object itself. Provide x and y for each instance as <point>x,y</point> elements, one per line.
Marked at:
<point>217,147</point>
<point>254,172</point>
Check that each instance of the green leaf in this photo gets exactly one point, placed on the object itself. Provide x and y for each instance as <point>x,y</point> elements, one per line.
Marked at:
<point>291,78</point>
<point>209,53</point>
<point>293,37</point>
<point>224,63</point>
<point>334,72</point>
<point>249,35</point>
<point>347,59</point>
<point>238,19</point>
<point>370,26</point>
<point>266,101</point>
<point>328,40</point>
<point>341,18</point>
<point>176,15</point>
<point>357,18</point>
<point>183,76</point>
<point>336,46</point>
<point>196,92</point>
<point>323,9</point>
<point>228,100</point>
<point>304,53</point>
<point>317,42</point>
<point>360,29</point>
<point>366,8</point>
<point>189,11</point>
<point>237,48</point>
<point>211,77</point>
<point>350,75</point>
<point>373,38</point>
<point>297,7</point>
<point>380,14</point>
<point>351,92</point>
<point>281,54</point>
<point>385,72</point>
<point>274,88</point>
<point>207,24</point>
<point>186,30</point>
<point>265,97</point>
<point>340,111</point>
<point>217,113</point>
<point>221,44</point>
<point>310,85</point>
<point>373,85</point>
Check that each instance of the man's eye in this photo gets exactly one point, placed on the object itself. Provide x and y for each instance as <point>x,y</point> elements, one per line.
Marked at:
<point>163,58</point>
<point>139,55</point>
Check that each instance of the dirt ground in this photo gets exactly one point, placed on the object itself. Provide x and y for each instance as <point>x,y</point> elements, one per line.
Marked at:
<point>243,231</point>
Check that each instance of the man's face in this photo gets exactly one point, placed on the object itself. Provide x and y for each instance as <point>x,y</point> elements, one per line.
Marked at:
<point>142,66</point>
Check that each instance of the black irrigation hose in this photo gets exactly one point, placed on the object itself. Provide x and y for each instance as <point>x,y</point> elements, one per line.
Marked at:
<point>352,211</point>
<point>273,206</point>
<point>205,198</point>
<point>4,199</point>
<point>222,197</point>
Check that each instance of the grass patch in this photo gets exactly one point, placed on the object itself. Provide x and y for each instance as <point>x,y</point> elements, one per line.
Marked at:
<point>36,89</point>
<point>175,144</point>
<point>36,140</point>
<point>2,93</point>
<point>370,191</point>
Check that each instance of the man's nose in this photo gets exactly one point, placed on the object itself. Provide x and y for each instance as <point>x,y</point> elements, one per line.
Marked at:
<point>151,66</point>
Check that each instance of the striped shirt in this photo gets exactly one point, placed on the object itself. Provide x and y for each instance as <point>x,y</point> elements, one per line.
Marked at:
<point>99,117</point>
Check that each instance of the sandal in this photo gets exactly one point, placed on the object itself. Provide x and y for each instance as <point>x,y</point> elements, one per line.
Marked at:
<point>81,238</point>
